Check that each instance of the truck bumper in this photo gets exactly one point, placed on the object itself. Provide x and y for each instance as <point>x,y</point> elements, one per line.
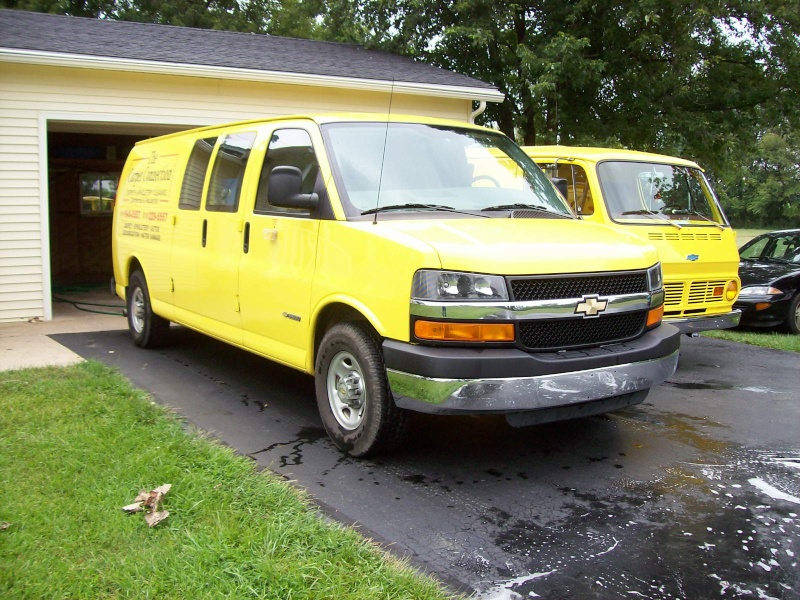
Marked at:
<point>460,381</point>
<point>706,323</point>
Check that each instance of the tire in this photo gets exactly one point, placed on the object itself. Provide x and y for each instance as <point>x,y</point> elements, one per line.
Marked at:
<point>792,322</point>
<point>147,329</point>
<point>353,396</point>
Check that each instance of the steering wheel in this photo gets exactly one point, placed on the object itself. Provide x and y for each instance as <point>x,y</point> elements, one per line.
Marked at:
<point>487,178</point>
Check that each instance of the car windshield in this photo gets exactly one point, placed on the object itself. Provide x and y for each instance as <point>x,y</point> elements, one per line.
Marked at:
<point>386,167</point>
<point>634,191</point>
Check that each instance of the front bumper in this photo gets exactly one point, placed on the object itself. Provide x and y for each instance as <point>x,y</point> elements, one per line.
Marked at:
<point>445,380</point>
<point>706,322</point>
<point>773,315</point>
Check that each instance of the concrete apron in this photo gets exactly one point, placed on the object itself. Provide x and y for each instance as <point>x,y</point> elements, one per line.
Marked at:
<point>26,344</point>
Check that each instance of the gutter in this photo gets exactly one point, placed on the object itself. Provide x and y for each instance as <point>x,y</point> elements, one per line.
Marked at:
<point>81,61</point>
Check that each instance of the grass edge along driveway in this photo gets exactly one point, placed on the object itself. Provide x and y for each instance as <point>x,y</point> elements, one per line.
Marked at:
<point>78,443</point>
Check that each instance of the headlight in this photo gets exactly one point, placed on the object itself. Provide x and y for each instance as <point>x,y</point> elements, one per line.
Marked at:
<point>655,281</point>
<point>455,286</point>
<point>759,290</point>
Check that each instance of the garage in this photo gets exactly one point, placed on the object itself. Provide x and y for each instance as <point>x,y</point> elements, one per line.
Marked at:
<point>72,105</point>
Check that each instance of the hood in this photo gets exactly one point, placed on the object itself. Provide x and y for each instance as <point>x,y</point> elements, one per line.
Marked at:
<point>764,272</point>
<point>524,246</point>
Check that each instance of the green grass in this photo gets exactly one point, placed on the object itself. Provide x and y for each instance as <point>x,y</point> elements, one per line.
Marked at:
<point>77,444</point>
<point>766,339</point>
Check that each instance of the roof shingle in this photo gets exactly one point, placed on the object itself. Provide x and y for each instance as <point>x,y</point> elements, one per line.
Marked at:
<point>20,30</point>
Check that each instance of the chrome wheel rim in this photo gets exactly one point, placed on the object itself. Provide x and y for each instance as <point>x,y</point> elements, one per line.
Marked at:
<point>797,316</point>
<point>137,310</point>
<point>346,393</point>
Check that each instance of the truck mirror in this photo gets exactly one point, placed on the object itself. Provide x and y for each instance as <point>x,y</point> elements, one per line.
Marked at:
<point>561,185</point>
<point>285,189</point>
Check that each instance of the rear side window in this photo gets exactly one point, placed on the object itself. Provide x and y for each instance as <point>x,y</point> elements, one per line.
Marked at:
<point>288,148</point>
<point>227,175</point>
<point>195,176</point>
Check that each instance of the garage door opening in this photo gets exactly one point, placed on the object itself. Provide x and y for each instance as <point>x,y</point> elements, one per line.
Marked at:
<point>84,164</point>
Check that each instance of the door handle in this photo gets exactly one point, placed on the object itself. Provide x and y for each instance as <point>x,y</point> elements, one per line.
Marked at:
<point>246,237</point>
<point>205,231</point>
<point>270,234</point>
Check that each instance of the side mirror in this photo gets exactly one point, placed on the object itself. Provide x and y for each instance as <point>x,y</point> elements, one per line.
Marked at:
<point>285,189</point>
<point>561,185</point>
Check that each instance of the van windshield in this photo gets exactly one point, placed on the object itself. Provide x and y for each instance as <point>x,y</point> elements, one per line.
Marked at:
<point>416,167</point>
<point>636,191</point>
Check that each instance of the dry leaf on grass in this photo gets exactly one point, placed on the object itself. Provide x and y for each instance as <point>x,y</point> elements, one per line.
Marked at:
<point>151,503</point>
<point>154,518</point>
<point>133,508</point>
<point>4,526</point>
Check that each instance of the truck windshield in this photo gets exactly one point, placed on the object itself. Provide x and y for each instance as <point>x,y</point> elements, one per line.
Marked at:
<point>415,167</point>
<point>634,191</point>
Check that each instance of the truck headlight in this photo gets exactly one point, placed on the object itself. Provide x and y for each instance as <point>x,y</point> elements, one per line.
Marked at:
<point>443,286</point>
<point>655,281</point>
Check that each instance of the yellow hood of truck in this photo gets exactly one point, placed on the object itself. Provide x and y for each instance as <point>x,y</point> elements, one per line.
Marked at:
<point>524,246</point>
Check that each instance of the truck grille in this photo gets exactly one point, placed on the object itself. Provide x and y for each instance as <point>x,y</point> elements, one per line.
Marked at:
<point>673,294</point>
<point>560,334</point>
<point>701,292</point>
<point>550,288</point>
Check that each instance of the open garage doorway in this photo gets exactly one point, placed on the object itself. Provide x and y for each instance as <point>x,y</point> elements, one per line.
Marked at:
<point>84,162</point>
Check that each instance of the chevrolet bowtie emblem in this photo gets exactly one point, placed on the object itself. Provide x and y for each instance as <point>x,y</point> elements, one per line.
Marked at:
<point>591,306</point>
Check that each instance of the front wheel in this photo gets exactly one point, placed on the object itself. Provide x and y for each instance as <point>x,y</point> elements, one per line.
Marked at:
<point>147,329</point>
<point>793,318</point>
<point>353,396</point>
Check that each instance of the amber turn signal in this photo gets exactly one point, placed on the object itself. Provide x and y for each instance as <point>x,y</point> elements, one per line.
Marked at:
<point>464,332</point>
<point>654,316</point>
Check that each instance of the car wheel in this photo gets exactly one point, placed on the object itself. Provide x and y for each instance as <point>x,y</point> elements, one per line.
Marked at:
<point>147,329</point>
<point>353,396</point>
<point>793,318</point>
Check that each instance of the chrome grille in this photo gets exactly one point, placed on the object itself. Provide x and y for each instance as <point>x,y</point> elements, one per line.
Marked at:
<point>551,288</point>
<point>560,334</point>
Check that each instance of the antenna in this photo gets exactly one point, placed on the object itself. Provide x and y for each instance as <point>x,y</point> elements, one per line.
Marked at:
<point>383,157</point>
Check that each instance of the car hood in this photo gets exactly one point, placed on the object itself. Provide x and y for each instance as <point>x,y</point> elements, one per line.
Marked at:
<point>763,272</point>
<point>525,246</point>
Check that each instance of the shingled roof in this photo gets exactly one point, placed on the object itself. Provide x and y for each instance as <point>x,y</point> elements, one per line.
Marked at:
<point>28,35</point>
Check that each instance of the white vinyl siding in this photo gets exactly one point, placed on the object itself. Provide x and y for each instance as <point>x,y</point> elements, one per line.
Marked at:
<point>31,96</point>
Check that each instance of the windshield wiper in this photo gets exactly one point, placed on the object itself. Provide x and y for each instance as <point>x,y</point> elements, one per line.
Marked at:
<point>653,213</point>
<point>410,206</point>
<point>520,206</point>
<point>702,216</point>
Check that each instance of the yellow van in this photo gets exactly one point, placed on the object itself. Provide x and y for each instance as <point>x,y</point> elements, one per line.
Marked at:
<point>367,251</point>
<point>669,203</point>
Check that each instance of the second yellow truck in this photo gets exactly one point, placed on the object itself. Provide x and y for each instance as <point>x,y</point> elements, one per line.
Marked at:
<point>669,203</point>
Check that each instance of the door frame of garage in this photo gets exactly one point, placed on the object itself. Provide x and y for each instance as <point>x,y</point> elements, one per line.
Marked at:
<point>45,120</point>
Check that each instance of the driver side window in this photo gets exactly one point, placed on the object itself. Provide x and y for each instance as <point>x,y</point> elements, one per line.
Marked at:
<point>754,252</point>
<point>288,148</point>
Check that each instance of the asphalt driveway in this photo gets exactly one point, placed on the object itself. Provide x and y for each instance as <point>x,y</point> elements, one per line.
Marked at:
<point>694,494</point>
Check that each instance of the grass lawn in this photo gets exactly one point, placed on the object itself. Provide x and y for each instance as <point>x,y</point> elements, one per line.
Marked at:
<point>766,338</point>
<point>745,235</point>
<point>77,444</point>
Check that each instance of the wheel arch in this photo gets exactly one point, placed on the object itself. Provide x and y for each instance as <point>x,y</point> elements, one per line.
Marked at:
<point>332,313</point>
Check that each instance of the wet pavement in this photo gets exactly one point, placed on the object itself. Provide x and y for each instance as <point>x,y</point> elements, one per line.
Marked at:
<point>694,494</point>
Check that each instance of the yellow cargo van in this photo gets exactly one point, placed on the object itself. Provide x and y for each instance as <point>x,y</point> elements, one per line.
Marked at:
<point>372,253</point>
<point>669,203</point>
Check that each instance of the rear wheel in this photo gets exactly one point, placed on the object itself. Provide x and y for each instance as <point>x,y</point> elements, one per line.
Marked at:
<point>353,396</point>
<point>793,318</point>
<point>147,329</point>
